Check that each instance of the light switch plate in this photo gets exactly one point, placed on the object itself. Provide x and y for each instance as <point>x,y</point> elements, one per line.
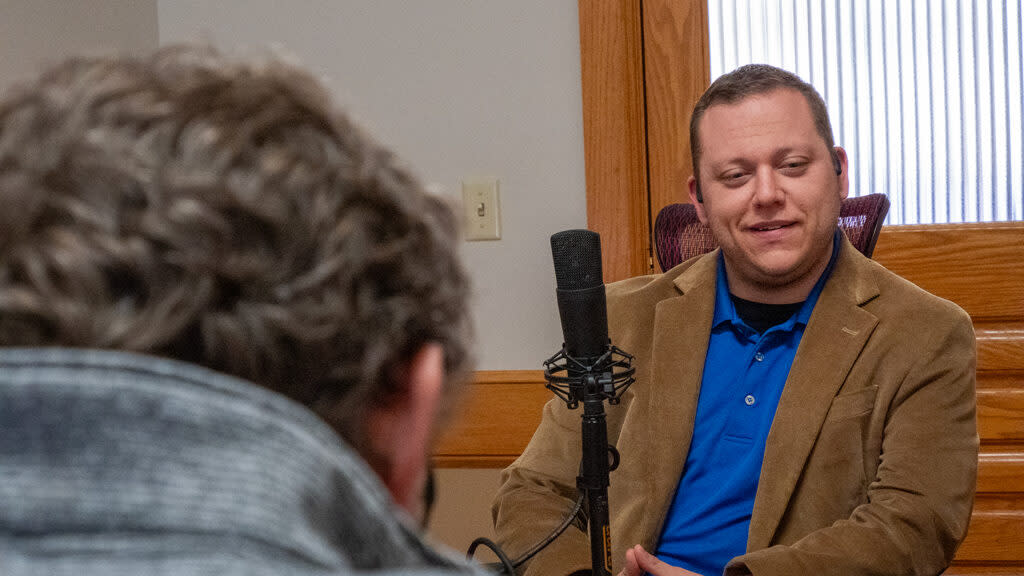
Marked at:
<point>481,209</point>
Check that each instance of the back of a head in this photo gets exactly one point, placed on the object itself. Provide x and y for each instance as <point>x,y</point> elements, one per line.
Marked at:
<point>221,212</point>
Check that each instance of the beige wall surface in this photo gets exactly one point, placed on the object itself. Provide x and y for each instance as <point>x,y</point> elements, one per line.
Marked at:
<point>462,510</point>
<point>35,33</point>
<point>459,88</point>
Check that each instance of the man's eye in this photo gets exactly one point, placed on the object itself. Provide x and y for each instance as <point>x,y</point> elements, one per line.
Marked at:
<point>734,179</point>
<point>794,166</point>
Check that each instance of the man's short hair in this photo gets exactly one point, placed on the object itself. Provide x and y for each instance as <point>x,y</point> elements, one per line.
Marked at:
<point>223,213</point>
<point>753,80</point>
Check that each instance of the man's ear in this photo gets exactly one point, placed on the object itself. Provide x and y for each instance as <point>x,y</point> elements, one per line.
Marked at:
<point>842,171</point>
<point>696,198</point>
<point>402,428</point>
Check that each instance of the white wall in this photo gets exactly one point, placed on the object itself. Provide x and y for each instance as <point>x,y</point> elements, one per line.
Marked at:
<point>35,33</point>
<point>458,88</point>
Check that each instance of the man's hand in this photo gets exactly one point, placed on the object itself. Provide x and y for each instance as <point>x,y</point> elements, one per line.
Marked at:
<point>640,562</point>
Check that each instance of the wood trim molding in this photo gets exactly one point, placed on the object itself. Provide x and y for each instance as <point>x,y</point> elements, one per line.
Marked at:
<point>677,71</point>
<point>644,64</point>
<point>495,419</point>
<point>611,59</point>
<point>978,266</point>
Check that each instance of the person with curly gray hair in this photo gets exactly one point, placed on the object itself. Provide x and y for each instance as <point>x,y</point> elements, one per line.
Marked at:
<point>230,324</point>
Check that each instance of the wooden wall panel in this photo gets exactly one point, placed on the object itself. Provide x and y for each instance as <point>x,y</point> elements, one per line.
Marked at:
<point>986,569</point>
<point>611,58</point>
<point>1001,415</point>
<point>1001,348</point>
<point>981,268</point>
<point>1000,470</point>
<point>676,73</point>
<point>978,266</point>
<point>495,421</point>
<point>996,534</point>
<point>644,65</point>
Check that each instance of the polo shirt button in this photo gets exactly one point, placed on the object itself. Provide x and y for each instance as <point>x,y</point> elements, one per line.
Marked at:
<point>749,400</point>
<point>759,356</point>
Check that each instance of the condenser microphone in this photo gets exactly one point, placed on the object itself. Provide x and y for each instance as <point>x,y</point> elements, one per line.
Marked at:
<point>588,370</point>
<point>580,293</point>
<point>587,364</point>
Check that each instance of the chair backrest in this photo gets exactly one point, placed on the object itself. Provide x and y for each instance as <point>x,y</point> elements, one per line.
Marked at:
<point>679,235</point>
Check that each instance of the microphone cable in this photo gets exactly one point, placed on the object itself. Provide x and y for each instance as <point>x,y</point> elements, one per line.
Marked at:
<point>510,566</point>
<point>506,564</point>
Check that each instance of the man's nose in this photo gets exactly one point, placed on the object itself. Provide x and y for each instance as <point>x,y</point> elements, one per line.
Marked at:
<point>766,186</point>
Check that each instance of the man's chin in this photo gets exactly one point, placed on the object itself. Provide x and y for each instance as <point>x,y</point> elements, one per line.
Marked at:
<point>778,276</point>
<point>777,269</point>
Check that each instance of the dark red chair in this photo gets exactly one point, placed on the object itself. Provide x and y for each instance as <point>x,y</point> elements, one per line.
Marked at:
<point>679,235</point>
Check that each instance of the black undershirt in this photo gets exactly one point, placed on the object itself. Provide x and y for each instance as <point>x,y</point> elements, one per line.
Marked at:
<point>760,316</point>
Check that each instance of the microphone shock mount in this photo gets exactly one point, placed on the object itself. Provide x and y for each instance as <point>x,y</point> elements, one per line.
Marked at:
<point>593,381</point>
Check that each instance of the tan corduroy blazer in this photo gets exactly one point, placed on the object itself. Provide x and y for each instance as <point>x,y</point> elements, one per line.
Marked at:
<point>870,463</point>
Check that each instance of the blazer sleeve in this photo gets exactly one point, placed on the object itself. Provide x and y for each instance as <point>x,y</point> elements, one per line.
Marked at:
<point>919,502</point>
<point>538,491</point>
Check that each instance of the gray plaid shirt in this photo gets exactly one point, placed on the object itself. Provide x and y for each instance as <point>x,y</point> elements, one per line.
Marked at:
<point>117,464</point>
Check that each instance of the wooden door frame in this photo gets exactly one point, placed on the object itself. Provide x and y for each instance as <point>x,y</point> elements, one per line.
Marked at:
<point>636,141</point>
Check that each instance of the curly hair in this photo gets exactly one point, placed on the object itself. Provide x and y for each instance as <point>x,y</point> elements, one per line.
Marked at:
<point>753,80</point>
<point>222,212</point>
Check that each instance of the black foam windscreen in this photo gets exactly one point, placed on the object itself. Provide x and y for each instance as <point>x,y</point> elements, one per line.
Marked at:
<point>581,299</point>
<point>577,256</point>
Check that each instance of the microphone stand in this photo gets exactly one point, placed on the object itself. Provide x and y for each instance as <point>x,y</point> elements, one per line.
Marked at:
<point>594,479</point>
<point>592,383</point>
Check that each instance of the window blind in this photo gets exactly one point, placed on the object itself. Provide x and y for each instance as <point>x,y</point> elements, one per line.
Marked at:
<point>925,95</point>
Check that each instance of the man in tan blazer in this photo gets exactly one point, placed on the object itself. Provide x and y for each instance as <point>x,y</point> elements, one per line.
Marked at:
<point>870,460</point>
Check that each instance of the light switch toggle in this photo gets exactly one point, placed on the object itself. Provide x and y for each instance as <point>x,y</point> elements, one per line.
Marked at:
<point>482,213</point>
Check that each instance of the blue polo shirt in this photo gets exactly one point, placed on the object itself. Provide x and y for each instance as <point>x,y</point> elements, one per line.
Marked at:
<point>744,373</point>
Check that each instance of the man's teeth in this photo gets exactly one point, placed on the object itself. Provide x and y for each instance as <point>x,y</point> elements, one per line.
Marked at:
<point>767,228</point>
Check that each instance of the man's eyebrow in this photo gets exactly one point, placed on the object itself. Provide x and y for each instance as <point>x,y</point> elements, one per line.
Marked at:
<point>732,160</point>
<point>776,155</point>
<point>789,150</point>
<point>786,151</point>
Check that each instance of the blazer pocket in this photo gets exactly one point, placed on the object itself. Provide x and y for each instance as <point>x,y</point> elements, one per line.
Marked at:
<point>853,404</point>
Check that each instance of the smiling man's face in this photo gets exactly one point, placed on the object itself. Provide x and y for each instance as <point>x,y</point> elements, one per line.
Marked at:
<point>771,194</point>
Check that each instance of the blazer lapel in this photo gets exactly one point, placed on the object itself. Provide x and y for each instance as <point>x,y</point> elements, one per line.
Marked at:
<point>833,339</point>
<point>681,329</point>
